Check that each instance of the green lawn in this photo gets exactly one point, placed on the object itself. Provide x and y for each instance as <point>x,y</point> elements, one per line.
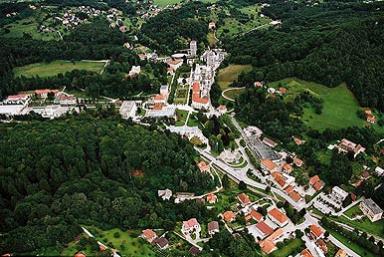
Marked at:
<point>290,248</point>
<point>127,243</point>
<point>351,245</point>
<point>230,74</point>
<point>56,67</point>
<point>351,212</point>
<point>339,106</point>
<point>376,228</point>
<point>193,121</point>
<point>181,117</point>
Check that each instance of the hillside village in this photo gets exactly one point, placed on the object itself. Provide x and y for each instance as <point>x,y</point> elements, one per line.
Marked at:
<point>260,190</point>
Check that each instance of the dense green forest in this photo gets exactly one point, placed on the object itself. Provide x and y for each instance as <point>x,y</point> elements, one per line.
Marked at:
<point>172,30</point>
<point>81,171</point>
<point>330,43</point>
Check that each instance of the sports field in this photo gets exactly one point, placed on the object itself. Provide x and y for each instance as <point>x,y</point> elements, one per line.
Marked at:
<point>57,67</point>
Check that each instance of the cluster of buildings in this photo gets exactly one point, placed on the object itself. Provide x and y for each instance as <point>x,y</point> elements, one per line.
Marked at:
<point>71,19</point>
<point>55,103</point>
<point>332,202</point>
<point>346,146</point>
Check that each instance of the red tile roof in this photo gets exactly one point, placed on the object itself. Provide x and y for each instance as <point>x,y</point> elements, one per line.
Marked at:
<point>268,164</point>
<point>264,228</point>
<point>243,198</point>
<point>190,223</point>
<point>229,216</point>
<point>267,246</point>
<point>80,254</point>
<point>306,253</point>
<point>149,234</point>
<point>196,94</point>
<point>279,178</point>
<point>45,91</point>
<point>211,198</point>
<point>287,168</point>
<point>203,166</point>
<point>278,215</point>
<point>316,230</point>
<point>295,196</point>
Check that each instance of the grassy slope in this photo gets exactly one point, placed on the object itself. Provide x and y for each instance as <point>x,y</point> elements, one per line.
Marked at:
<point>231,73</point>
<point>339,107</point>
<point>289,248</point>
<point>56,67</point>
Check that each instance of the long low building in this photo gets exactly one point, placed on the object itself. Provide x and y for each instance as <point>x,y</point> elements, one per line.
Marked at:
<point>371,209</point>
<point>11,109</point>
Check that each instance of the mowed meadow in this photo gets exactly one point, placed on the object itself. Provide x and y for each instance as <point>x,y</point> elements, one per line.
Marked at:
<point>56,67</point>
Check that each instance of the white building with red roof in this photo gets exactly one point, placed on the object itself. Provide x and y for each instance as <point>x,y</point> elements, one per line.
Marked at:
<point>17,99</point>
<point>199,102</point>
<point>191,225</point>
<point>278,217</point>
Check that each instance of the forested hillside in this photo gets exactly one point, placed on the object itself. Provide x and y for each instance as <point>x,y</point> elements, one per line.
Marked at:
<point>328,43</point>
<point>87,171</point>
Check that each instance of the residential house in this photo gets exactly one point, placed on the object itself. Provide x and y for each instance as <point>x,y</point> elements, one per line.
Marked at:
<point>339,194</point>
<point>369,116</point>
<point>43,93</point>
<point>128,109</point>
<point>322,245</point>
<point>298,141</point>
<point>268,165</point>
<point>213,227</point>
<point>165,194</point>
<point>194,250</point>
<point>287,168</point>
<point>341,253</point>
<point>253,215</point>
<point>80,254</point>
<point>306,253</point>
<point>316,183</point>
<point>269,142</point>
<point>199,102</point>
<point>135,70</point>
<point>267,246</point>
<point>283,90</point>
<point>244,199</point>
<point>161,242</point>
<point>190,226</point>
<point>295,196</point>
<point>298,162</point>
<point>229,216</point>
<point>379,171</point>
<point>149,235</point>
<point>316,231</point>
<point>17,99</point>
<point>258,84</point>
<point>263,229</point>
<point>346,146</point>
<point>278,217</point>
<point>371,209</point>
<point>203,166</point>
<point>212,25</point>
<point>211,198</point>
<point>65,99</point>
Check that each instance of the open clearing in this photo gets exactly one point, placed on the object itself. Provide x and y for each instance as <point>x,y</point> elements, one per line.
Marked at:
<point>339,107</point>
<point>127,242</point>
<point>230,74</point>
<point>56,67</point>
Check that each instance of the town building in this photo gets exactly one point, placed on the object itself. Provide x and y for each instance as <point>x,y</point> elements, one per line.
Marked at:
<point>174,64</point>
<point>268,166</point>
<point>165,194</point>
<point>316,183</point>
<point>346,146</point>
<point>339,194</point>
<point>211,198</point>
<point>371,209</point>
<point>193,48</point>
<point>199,101</point>
<point>379,171</point>
<point>17,99</point>
<point>316,231</point>
<point>203,166</point>
<point>65,99</point>
<point>278,217</point>
<point>254,215</point>
<point>229,216</point>
<point>189,226</point>
<point>253,131</point>
<point>135,70</point>
<point>194,250</point>
<point>43,93</point>
<point>263,229</point>
<point>269,142</point>
<point>161,242</point>
<point>243,199</point>
<point>341,253</point>
<point>213,228</point>
<point>149,235</point>
<point>128,109</point>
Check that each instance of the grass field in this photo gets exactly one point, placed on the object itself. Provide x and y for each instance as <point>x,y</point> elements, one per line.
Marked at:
<point>293,246</point>
<point>365,224</point>
<point>181,117</point>
<point>351,245</point>
<point>233,93</point>
<point>56,67</point>
<point>230,74</point>
<point>127,243</point>
<point>339,106</point>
